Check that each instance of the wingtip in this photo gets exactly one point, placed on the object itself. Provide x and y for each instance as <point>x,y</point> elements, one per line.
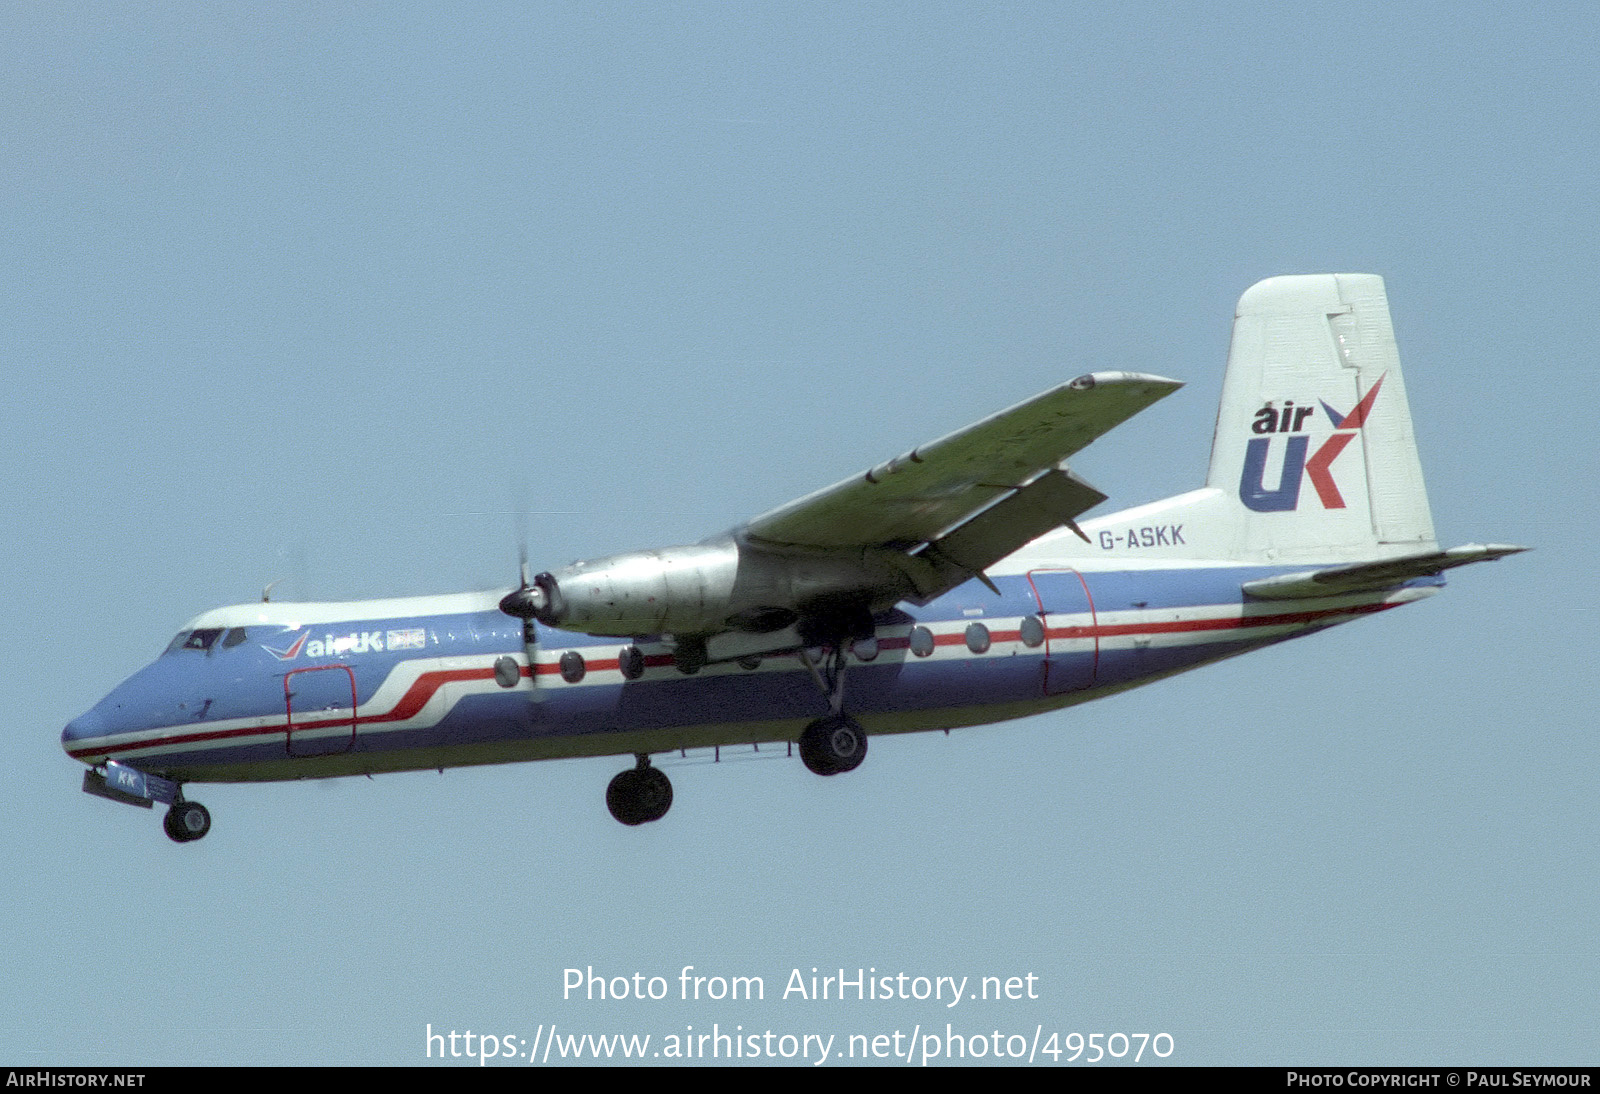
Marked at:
<point>1123,379</point>
<point>1485,552</point>
<point>1500,550</point>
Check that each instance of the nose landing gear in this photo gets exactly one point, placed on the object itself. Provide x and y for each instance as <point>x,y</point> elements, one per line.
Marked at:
<point>185,821</point>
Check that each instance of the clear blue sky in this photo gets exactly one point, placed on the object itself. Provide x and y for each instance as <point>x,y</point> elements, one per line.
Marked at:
<point>333,293</point>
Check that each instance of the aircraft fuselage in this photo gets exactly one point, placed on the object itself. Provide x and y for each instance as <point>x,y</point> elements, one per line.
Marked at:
<point>283,691</point>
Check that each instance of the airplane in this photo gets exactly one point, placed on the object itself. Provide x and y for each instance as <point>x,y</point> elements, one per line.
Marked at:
<point>953,585</point>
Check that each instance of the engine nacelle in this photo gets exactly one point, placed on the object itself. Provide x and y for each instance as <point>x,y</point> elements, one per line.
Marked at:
<point>671,591</point>
<point>707,588</point>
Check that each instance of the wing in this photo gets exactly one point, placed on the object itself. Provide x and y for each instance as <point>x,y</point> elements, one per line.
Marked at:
<point>812,572</point>
<point>975,496</point>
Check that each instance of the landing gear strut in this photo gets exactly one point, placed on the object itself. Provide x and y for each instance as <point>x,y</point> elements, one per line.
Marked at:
<point>186,822</point>
<point>689,657</point>
<point>833,745</point>
<point>639,795</point>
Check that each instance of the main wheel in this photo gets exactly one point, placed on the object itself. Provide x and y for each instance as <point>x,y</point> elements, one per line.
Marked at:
<point>833,745</point>
<point>187,821</point>
<point>639,795</point>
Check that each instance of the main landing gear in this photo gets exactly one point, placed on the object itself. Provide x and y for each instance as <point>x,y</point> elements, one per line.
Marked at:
<point>830,745</point>
<point>639,795</point>
<point>834,743</point>
<point>186,822</point>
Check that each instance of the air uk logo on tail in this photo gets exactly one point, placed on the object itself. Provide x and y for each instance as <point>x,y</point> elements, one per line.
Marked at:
<point>1290,420</point>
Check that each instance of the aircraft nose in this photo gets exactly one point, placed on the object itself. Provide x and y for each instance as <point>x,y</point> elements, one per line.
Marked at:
<point>81,728</point>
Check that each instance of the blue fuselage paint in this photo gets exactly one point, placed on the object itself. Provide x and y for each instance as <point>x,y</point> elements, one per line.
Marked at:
<point>385,692</point>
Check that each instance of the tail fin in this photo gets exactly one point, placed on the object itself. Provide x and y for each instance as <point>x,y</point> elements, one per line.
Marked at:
<point>1314,447</point>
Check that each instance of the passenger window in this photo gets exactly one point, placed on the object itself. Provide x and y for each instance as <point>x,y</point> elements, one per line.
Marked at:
<point>1032,631</point>
<point>573,667</point>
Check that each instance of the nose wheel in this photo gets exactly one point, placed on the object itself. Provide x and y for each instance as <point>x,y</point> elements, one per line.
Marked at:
<point>186,822</point>
<point>639,795</point>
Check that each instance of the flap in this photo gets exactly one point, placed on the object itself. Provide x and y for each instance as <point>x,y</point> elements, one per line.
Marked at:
<point>1053,499</point>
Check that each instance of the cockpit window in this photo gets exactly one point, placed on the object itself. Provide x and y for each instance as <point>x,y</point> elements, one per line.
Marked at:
<point>233,638</point>
<point>202,639</point>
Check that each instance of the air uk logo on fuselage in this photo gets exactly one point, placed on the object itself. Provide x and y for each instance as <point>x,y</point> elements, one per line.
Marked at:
<point>1290,420</point>
<point>329,645</point>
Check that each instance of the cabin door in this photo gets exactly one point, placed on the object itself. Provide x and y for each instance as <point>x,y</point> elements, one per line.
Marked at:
<point>1071,648</point>
<point>321,705</point>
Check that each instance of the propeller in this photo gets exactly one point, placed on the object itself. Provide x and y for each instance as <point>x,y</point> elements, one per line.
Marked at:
<point>526,601</point>
<point>533,598</point>
<point>536,599</point>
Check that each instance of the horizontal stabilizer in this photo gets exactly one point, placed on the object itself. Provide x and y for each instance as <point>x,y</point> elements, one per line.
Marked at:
<point>1364,576</point>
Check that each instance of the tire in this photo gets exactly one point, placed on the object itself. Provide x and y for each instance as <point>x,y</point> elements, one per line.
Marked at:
<point>833,745</point>
<point>186,822</point>
<point>639,795</point>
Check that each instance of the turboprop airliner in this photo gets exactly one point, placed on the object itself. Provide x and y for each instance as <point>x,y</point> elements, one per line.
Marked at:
<point>950,586</point>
